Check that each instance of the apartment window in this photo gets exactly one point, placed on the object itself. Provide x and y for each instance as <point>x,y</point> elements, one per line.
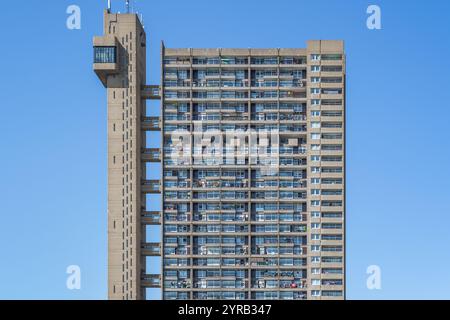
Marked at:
<point>315,136</point>
<point>315,90</point>
<point>315,270</point>
<point>332,293</point>
<point>315,102</point>
<point>315,158</point>
<point>332,57</point>
<point>331,68</point>
<point>315,293</point>
<point>315,113</point>
<point>332,225</point>
<point>315,169</point>
<point>332,259</point>
<point>315,124</point>
<point>264,60</point>
<point>332,215</point>
<point>332,113</point>
<point>315,237</point>
<point>315,57</point>
<point>315,214</point>
<point>315,203</point>
<point>331,80</point>
<point>315,259</point>
<point>315,181</point>
<point>315,192</point>
<point>315,147</point>
<point>315,282</point>
<point>315,79</point>
<point>315,68</point>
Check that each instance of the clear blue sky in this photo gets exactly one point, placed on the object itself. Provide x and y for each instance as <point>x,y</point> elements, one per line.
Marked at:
<point>53,129</point>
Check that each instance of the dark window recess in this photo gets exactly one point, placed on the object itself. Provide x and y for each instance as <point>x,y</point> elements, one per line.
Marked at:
<point>105,55</point>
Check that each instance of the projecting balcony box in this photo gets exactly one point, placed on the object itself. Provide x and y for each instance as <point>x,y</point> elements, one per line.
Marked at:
<point>151,92</point>
<point>151,249</point>
<point>151,281</point>
<point>106,57</point>
<point>151,186</point>
<point>151,218</point>
<point>151,123</point>
<point>151,155</point>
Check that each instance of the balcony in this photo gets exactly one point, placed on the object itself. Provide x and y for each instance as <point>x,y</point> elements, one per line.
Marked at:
<point>151,124</point>
<point>275,284</point>
<point>151,218</point>
<point>152,249</point>
<point>151,186</point>
<point>151,92</point>
<point>151,155</point>
<point>151,281</point>
<point>105,57</point>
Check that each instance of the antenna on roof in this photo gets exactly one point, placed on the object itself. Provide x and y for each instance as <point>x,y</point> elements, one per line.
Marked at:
<point>109,5</point>
<point>128,6</point>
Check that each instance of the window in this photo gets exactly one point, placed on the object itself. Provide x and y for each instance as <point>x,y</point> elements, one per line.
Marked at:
<point>315,136</point>
<point>315,237</point>
<point>315,124</point>
<point>315,282</point>
<point>315,192</point>
<point>315,225</point>
<point>315,259</point>
<point>315,147</point>
<point>315,57</point>
<point>315,203</point>
<point>315,169</point>
<point>264,60</point>
<point>331,68</point>
<point>315,79</point>
<point>315,270</point>
<point>315,293</point>
<point>105,55</point>
<point>332,215</point>
<point>315,181</point>
<point>315,90</point>
<point>331,57</point>
<point>315,214</point>
<point>315,158</point>
<point>315,113</point>
<point>332,293</point>
<point>315,68</point>
<point>315,102</point>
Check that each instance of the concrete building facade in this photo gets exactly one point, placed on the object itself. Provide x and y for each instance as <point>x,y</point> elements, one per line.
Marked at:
<point>252,169</point>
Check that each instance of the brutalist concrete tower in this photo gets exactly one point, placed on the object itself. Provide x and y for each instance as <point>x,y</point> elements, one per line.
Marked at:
<point>252,169</point>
